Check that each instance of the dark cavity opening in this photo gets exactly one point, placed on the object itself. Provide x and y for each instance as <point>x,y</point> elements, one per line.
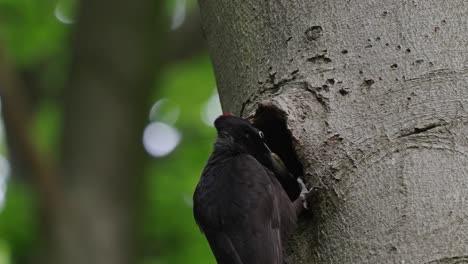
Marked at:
<point>272,121</point>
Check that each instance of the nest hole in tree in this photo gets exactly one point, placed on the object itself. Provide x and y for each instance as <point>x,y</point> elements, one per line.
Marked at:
<point>272,121</point>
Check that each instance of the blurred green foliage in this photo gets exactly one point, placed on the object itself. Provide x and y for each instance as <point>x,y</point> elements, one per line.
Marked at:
<point>18,222</point>
<point>30,29</point>
<point>36,39</point>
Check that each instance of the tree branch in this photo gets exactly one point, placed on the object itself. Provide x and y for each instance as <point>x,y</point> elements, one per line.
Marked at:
<point>26,158</point>
<point>115,61</point>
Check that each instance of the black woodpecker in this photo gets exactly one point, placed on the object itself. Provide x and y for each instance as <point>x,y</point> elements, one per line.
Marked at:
<point>239,203</point>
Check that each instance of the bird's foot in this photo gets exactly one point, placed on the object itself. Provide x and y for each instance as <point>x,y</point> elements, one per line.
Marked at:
<point>306,194</point>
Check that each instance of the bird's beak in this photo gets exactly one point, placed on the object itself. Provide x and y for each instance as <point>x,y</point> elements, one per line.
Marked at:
<point>266,146</point>
<point>279,167</point>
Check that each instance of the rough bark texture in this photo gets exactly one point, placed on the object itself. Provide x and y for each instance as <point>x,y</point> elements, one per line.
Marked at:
<point>376,97</point>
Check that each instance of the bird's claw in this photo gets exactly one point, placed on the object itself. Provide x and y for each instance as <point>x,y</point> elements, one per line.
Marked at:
<point>304,192</point>
<point>307,194</point>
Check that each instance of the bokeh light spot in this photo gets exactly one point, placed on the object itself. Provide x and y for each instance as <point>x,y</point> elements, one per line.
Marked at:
<point>164,111</point>
<point>178,17</point>
<point>211,109</point>
<point>160,139</point>
<point>4,173</point>
<point>62,15</point>
<point>188,200</point>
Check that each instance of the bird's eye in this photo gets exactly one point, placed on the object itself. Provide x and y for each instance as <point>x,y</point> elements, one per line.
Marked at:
<point>260,133</point>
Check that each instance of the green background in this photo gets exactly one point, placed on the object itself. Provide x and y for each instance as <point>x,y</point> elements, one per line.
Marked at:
<point>37,41</point>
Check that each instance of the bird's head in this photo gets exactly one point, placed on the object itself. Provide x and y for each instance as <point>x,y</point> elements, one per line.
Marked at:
<point>240,134</point>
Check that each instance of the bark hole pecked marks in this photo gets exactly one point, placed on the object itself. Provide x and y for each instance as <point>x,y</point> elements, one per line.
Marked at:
<point>320,94</point>
<point>450,260</point>
<point>319,59</point>
<point>270,86</point>
<point>272,121</point>
<point>313,33</point>
<point>421,129</point>
<point>343,91</point>
<point>369,82</point>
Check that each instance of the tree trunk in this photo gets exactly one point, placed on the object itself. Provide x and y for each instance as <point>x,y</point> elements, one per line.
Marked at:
<point>375,97</point>
<point>112,73</point>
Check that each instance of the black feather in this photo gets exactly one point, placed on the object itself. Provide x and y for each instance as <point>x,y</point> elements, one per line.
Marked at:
<point>239,204</point>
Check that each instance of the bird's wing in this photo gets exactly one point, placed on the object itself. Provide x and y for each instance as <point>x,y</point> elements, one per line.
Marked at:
<point>222,247</point>
<point>286,214</point>
<point>242,216</point>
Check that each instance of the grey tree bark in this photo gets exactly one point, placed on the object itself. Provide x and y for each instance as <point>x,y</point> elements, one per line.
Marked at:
<point>375,96</point>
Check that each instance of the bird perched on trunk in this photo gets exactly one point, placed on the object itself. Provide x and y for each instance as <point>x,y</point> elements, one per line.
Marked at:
<point>239,203</point>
